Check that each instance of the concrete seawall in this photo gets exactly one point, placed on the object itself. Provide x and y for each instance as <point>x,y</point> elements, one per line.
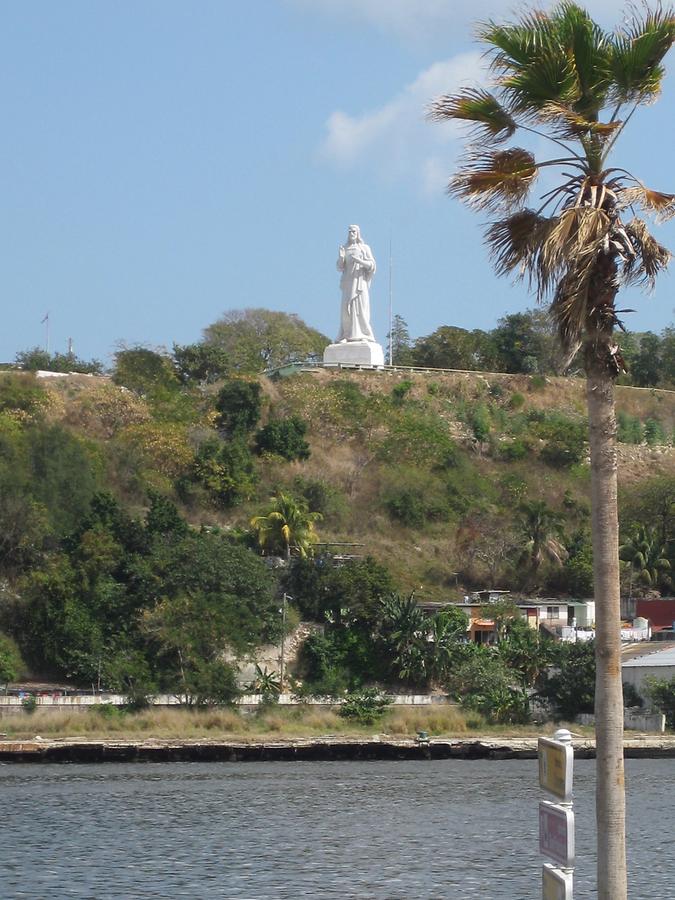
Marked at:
<point>320,749</point>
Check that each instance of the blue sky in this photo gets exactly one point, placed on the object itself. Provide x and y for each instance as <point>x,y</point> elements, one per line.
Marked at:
<point>163,162</point>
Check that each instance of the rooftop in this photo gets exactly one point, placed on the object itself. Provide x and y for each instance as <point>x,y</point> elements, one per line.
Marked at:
<point>650,656</point>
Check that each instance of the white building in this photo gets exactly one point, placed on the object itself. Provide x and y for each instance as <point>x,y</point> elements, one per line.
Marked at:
<point>653,660</point>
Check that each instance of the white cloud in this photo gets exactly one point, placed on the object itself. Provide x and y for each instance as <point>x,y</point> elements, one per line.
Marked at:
<point>423,21</point>
<point>395,138</point>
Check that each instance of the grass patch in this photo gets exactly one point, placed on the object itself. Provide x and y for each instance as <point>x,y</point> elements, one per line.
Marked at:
<point>278,723</point>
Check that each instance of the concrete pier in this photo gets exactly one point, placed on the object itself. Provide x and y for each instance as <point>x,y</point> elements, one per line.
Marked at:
<point>328,748</point>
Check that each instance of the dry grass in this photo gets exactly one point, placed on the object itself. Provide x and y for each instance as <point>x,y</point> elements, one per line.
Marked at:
<point>225,724</point>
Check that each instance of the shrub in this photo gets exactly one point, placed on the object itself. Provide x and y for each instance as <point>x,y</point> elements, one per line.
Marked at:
<point>11,664</point>
<point>480,423</point>
<point>285,438</point>
<point>365,706</point>
<point>661,694</point>
<point>510,451</point>
<point>419,438</point>
<point>565,440</point>
<point>29,703</point>
<point>415,497</point>
<point>21,393</point>
<point>654,433</point>
<point>516,401</point>
<point>321,497</point>
<point>629,428</point>
<point>400,392</point>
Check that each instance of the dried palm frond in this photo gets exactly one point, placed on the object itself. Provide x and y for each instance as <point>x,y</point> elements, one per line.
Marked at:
<point>656,202</point>
<point>572,243</point>
<point>568,123</point>
<point>514,242</point>
<point>495,180</point>
<point>651,257</point>
<point>476,106</point>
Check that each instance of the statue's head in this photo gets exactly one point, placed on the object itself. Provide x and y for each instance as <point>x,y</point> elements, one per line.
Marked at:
<point>354,234</point>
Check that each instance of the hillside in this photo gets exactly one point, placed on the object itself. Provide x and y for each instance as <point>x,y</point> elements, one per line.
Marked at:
<point>425,472</point>
<point>136,512</point>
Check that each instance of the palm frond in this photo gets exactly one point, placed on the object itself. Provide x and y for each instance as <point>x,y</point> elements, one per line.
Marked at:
<point>562,57</point>
<point>515,241</point>
<point>650,259</point>
<point>566,264</point>
<point>591,51</point>
<point>637,55</point>
<point>495,180</point>
<point>478,107</point>
<point>567,123</point>
<point>661,205</point>
<point>572,244</point>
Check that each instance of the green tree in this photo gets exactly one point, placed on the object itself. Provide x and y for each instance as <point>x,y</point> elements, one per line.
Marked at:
<point>517,345</point>
<point>450,347</point>
<point>526,652</point>
<point>405,629</point>
<point>64,474</point>
<point>661,695</point>
<point>570,684</point>
<point>257,339</point>
<point>37,358</point>
<point>285,438</point>
<point>345,593</point>
<point>143,370</point>
<point>540,527</point>
<point>192,632</point>
<point>288,528</point>
<point>667,373</point>
<point>561,75</point>
<point>646,556</point>
<point>646,366</point>
<point>480,681</point>
<point>398,343</point>
<point>238,404</point>
<point>651,502</point>
<point>200,363</point>
<point>225,470</point>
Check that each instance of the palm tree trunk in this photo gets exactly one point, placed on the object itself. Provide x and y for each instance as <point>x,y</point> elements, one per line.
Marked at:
<point>610,788</point>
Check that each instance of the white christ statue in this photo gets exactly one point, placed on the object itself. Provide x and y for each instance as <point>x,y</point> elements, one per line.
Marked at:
<point>357,264</point>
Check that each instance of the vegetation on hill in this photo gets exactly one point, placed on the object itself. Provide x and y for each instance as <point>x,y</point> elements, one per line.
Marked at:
<point>128,558</point>
<point>449,482</point>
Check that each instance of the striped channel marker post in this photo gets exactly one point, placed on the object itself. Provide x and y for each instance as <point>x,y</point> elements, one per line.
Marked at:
<point>556,820</point>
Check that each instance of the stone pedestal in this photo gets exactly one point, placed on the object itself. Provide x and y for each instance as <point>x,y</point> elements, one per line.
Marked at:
<point>354,353</point>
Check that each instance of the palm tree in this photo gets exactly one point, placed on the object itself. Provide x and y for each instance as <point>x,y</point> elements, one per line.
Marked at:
<point>288,528</point>
<point>645,555</point>
<point>540,527</point>
<point>406,628</point>
<point>561,78</point>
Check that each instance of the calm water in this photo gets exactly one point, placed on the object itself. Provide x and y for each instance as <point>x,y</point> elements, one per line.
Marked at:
<point>446,829</point>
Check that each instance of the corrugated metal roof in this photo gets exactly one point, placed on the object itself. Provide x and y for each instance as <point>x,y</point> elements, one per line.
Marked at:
<point>664,657</point>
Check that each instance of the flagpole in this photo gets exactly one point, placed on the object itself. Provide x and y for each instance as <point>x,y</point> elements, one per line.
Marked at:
<point>391,308</point>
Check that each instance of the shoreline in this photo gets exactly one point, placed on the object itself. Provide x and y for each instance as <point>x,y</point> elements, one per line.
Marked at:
<point>314,749</point>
